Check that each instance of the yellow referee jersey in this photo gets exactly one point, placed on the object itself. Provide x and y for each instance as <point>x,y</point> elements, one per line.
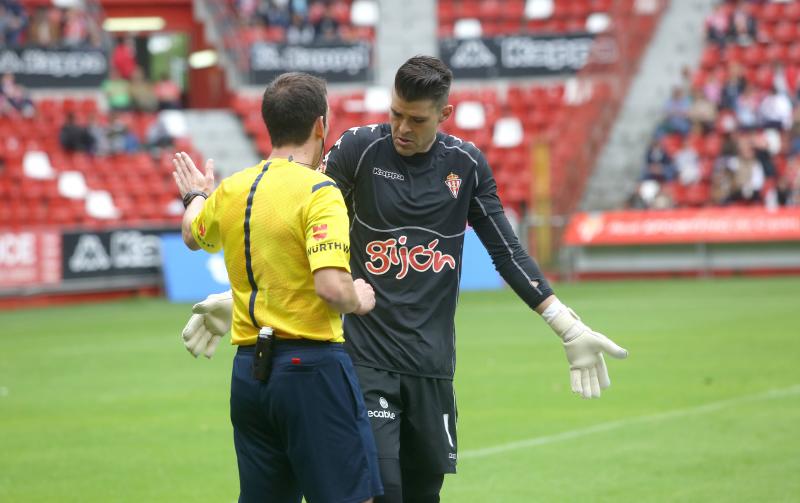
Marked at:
<point>278,222</point>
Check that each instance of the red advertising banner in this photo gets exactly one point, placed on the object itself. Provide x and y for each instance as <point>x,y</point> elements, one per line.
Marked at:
<point>30,258</point>
<point>712,225</point>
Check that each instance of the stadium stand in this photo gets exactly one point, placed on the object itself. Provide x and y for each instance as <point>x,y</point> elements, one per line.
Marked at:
<point>494,18</point>
<point>730,134</point>
<point>43,23</point>
<point>501,125</point>
<point>245,22</point>
<point>43,183</point>
<point>502,121</point>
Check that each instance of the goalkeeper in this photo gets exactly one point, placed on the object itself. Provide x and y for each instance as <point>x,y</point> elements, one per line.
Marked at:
<point>411,190</point>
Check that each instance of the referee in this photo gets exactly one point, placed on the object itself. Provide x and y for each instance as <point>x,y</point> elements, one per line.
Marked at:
<point>301,430</point>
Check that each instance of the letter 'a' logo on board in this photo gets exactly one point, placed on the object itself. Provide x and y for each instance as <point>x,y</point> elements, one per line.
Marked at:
<point>319,231</point>
<point>453,182</point>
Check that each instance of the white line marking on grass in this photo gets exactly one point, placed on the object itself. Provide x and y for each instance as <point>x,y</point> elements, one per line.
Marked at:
<point>613,425</point>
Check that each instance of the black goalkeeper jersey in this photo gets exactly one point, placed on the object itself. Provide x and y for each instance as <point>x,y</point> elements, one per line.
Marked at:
<point>408,219</point>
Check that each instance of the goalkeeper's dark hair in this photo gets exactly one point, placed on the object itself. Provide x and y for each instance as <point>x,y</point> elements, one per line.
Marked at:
<point>423,78</point>
<point>291,104</point>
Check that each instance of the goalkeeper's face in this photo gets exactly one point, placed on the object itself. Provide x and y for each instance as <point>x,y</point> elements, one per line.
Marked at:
<point>414,123</point>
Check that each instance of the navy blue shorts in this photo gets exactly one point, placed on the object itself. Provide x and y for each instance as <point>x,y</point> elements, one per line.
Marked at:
<point>305,432</point>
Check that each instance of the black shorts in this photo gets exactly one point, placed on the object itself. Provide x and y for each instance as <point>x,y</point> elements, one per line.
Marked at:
<point>413,418</point>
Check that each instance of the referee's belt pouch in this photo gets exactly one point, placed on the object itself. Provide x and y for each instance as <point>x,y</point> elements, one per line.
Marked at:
<point>262,359</point>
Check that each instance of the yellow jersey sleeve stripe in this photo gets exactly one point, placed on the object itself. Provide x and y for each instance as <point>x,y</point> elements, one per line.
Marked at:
<point>322,184</point>
<point>247,256</point>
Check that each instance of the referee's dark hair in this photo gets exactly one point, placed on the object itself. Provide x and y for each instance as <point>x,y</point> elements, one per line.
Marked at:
<point>291,104</point>
<point>423,78</point>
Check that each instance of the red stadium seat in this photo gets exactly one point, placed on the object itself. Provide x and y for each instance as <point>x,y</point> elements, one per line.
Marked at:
<point>754,55</point>
<point>771,12</point>
<point>490,10</point>
<point>446,11</point>
<point>791,11</point>
<point>776,52</point>
<point>793,53</point>
<point>785,32</point>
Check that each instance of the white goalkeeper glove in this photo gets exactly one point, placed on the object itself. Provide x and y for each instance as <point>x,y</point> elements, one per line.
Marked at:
<point>210,321</point>
<point>584,348</point>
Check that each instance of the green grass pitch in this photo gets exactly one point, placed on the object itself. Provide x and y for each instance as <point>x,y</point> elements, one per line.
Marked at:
<point>100,403</point>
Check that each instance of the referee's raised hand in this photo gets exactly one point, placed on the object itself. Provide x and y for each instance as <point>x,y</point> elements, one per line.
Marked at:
<point>188,178</point>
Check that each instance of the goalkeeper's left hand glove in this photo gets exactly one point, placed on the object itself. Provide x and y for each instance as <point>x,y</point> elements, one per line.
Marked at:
<point>584,348</point>
<point>210,321</point>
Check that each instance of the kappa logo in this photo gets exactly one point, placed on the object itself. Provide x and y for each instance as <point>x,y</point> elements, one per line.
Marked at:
<point>320,231</point>
<point>384,414</point>
<point>389,175</point>
<point>453,182</point>
<point>473,54</point>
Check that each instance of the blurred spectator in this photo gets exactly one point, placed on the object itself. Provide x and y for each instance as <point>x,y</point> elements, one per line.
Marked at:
<point>168,93</point>
<point>158,137</point>
<point>717,24</point>
<point>677,113</point>
<point>247,8</point>
<point>44,29</point>
<point>300,7</point>
<point>76,28</point>
<point>117,91</point>
<point>788,186</point>
<point>649,194</point>
<point>120,138</point>
<point>712,89</point>
<point>327,28</point>
<point>794,134</point>
<point>765,144</point>
<point>734,85</point>
<point>730,146</point>
<point>783,79</point>
<point>776,111</point>
<point>276,13</point>
<point>99,136</point>
<point>142,92</point>
<point>746,108</point>
<point>702,112</point>
<point>12,23</point>
<point>721,185</point>
<point>15,97</point>
<point>742,26</point>
<point>74,137</point>
<point>658,163</point>
<point>748,176</point>
<point>687,163</point>
<point>123,57</point>
<point>300,32</point>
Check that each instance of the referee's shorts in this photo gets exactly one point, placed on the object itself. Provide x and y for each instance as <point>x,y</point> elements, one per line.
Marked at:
<point>305,432</point>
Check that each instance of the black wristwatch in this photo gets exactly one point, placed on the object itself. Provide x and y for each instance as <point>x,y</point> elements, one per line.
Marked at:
<point>189,197</point>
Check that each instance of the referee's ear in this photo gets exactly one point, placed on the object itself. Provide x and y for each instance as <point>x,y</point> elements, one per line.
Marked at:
<point>321,126</point>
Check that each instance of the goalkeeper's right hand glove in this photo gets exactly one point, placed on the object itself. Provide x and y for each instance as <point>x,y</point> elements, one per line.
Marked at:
<point>210,321</point>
